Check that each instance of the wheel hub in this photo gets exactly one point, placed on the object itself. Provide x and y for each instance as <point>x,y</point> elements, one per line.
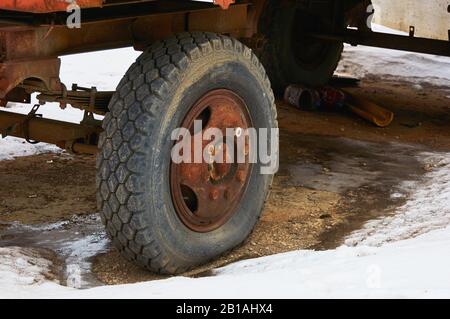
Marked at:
<point>207,194</point>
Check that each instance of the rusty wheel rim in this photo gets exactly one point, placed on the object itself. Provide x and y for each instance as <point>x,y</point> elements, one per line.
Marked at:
<point>206,195</point>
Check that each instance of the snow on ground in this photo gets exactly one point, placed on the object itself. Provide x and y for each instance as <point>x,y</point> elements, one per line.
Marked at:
<point>75,240</point>
<point>415,268</point>
<point>21,268</point>
<point>11,147</point>
<point>404,256</point>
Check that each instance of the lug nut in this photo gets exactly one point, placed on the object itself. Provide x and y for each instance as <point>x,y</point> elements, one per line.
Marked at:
<point>214,194</point>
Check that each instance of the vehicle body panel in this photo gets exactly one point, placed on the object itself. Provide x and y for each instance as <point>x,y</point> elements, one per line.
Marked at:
<point>430,19</point>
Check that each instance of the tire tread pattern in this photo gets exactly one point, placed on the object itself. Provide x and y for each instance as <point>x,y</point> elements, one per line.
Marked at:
<point>124,143</point>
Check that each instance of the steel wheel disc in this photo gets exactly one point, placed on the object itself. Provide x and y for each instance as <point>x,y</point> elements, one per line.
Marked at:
<point>206,195</point>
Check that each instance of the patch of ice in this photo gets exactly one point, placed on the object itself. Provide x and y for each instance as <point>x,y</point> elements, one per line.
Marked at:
<point>74,276</point>
<point>427,209</point>
<point>79,253</point>
<point>41,228</point>
<point>76,241</point>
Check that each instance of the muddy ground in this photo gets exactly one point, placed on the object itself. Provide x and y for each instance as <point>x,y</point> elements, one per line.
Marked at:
<point>337,171</point>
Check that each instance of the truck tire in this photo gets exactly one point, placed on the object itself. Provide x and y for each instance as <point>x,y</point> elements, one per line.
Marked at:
<point>289,57</point>
<point>149,214</point>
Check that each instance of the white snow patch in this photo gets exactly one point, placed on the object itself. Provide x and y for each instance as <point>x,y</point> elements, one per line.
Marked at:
<point>21,268</point>
<point>102,69</point>
<point>12,147</point>
<point>410,269</point>
<point>16,226</point>
<point>403,256</point>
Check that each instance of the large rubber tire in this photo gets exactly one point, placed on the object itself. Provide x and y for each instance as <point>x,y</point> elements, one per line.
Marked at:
<point>289,58</point>
<point>133,190</point>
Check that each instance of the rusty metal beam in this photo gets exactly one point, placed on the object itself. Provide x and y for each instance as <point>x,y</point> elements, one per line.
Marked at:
<point>388,41</point>
<point>66,135</point>
<point>22,42</point>
<point>52,41</point>
<point>31,52</point>
<point>80,148</point>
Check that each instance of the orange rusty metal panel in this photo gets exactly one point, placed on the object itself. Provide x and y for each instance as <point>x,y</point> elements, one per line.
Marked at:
<point>45,6</point>
<point>224,3</point>
<point>47,130</point>
<point>232,21</point>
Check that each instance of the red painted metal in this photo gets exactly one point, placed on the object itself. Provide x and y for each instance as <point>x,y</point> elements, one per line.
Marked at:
<point>46,6</point>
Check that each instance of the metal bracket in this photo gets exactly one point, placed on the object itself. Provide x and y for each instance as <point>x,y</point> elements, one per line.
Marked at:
<point>24,124</point>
